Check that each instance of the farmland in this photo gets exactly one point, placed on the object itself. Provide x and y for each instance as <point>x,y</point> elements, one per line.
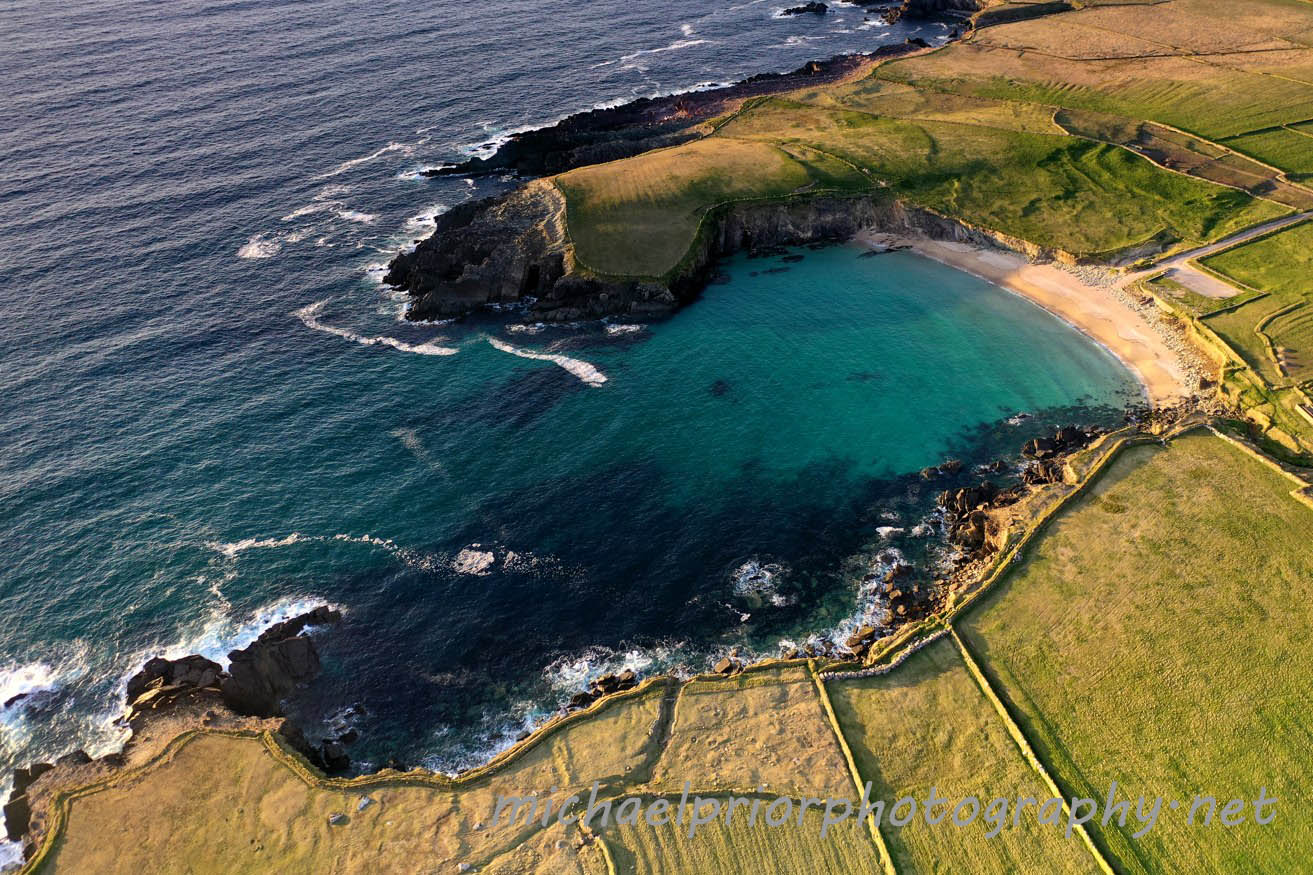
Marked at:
<point>1109,644</point>
<point>1274,332</point>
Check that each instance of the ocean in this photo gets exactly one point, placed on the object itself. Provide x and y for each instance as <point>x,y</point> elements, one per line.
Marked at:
<point>212,414</point>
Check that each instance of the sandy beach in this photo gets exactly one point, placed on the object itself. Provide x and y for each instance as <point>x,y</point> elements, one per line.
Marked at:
<point>1099,311</point>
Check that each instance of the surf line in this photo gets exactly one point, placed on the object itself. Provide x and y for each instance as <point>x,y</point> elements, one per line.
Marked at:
<point>310,316</point>
<point>581,369</point>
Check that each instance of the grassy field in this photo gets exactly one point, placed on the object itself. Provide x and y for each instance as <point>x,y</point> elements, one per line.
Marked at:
<point>969,131</point>
<point>254,814</point>
<point>1212,67</point>
<point>1284,148</point>
<point>764,729</point>
<point>1155,638</point>
<point>639,216</point>
<point>737,849</point>
<point>1282,265</point>
<point>928,724</point>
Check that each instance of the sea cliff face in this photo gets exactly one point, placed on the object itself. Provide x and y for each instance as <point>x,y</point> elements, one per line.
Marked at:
<point>515,250</point>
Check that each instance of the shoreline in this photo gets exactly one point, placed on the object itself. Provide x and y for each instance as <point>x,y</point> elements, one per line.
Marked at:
<point>1097,311</point>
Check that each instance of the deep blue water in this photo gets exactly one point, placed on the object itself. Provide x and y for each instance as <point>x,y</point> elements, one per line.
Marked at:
<point>211,414</point>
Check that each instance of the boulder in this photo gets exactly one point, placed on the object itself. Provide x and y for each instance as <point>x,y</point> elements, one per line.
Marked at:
<point>334,756</point>
<point>18,817</point>
<point>862,638</point>
<point>261,675</point>
<point>966,499</point>
<point>1039,448</point>
<point>725,666</point>
<point>811,8</point>
<point>896,573</point>
<point>192,671</point>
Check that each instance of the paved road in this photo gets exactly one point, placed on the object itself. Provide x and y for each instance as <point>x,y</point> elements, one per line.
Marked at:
<point>1179,268</point>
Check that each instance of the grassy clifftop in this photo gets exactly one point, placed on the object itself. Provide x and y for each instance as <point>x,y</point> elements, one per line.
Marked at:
<point>970,131</point>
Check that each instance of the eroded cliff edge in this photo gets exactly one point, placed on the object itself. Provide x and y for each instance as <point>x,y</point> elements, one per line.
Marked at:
<point>515,249</point>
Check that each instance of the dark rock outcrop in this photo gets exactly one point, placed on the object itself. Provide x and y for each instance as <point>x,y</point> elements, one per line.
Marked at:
<point>812,8</point>
<point>258,678</point>
<point>1066,439</point>
<point>262,674</point>
<point>641,125</point>
<point>603,686</point>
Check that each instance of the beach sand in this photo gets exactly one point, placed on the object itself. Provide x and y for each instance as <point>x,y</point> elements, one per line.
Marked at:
<point>1099,311</point>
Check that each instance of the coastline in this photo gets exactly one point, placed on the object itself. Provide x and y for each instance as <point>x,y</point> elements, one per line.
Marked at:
<point>1096,310</point>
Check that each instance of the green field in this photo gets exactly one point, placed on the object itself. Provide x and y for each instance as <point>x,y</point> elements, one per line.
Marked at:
<point>969,131</point>
<point>1289,150</point>
<point>1155,637</point>
<point>1140,62</point>
<point>1282,265</point>
<point>928,724</point>
<point>1236,327</point>
<point>639,216</point>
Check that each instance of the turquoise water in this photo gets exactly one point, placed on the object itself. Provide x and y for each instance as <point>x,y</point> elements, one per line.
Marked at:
<point>500,528</point>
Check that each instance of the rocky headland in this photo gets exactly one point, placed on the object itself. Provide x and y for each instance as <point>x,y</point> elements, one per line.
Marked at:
<point>172,696</point>
<point>515,249</point>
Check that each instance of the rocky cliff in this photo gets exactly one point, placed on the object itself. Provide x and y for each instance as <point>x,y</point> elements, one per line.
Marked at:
<point>515,249</point>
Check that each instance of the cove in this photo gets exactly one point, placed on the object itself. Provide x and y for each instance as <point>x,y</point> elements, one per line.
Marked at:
<point>502,523</point>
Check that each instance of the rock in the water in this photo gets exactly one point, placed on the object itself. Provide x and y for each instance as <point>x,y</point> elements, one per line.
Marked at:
<point>811,8</point>
<point>335,756</point>
<point>725,666</point>
<point>261,675</point>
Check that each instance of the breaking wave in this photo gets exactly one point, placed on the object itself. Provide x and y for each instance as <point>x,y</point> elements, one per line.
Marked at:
<point>310,316</point>
<point>581,369</point>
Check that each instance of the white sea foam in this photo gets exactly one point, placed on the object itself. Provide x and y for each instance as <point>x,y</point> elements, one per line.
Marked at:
<point>425,221</point>
<point>887,532</point>
<point>310,209</point>
<point>221,632</point>
<point>581,369</point>
<point>11,855</point>
<point>629,61</point>
<point>259,246</point>
<point>410,440</point>
<point>757,580</point>
<point>473,560</point>
<point>569,674</point>
<point>614,330</point>
<point>356,216</point>
<point>406,149</point>
<point>232,549</point>
<point>310,316</point>
<point>27,679</point>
